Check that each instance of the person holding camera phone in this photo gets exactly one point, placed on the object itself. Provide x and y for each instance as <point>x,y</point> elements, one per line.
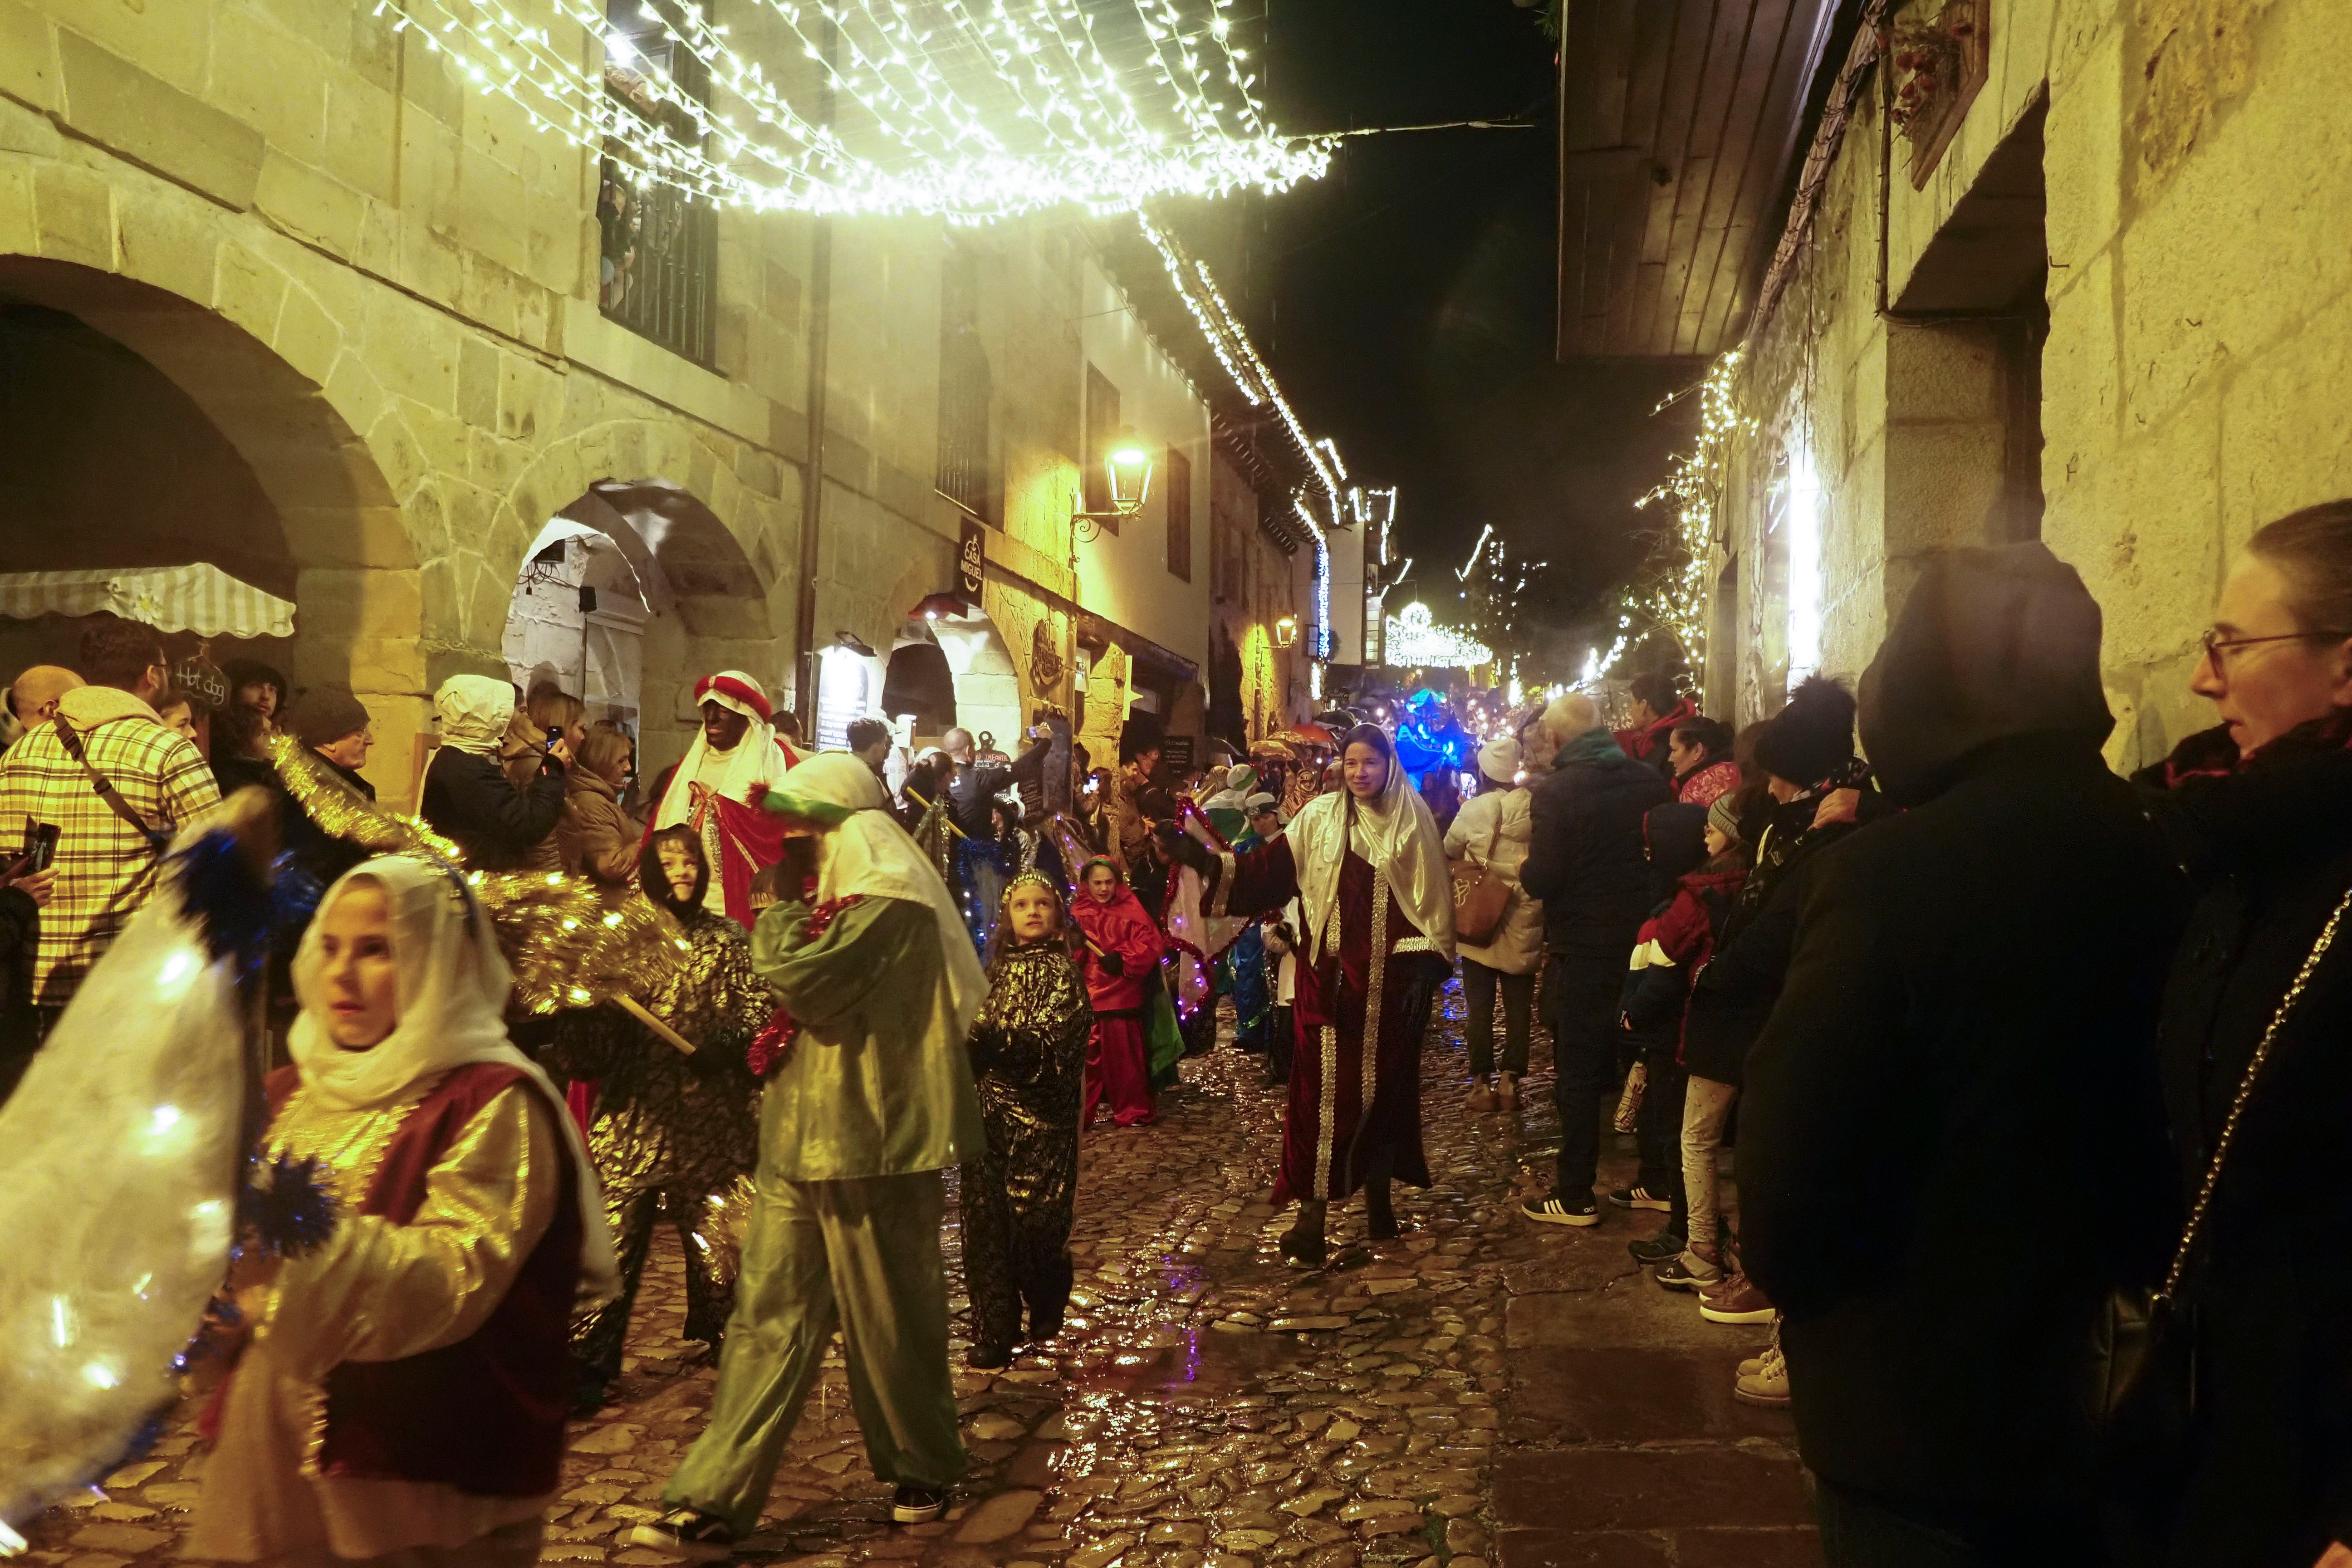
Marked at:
<point>467,796</point>
<point>24,891</point>
<point>116,785</point>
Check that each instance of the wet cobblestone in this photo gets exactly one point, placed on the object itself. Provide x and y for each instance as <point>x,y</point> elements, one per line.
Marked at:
<point>1481,1393</point>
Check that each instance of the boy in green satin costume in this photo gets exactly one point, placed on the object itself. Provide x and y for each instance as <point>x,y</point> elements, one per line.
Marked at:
<point>869,1099</point>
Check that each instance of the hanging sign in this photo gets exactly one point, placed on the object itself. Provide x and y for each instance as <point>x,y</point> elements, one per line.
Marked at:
<point>972,560</point>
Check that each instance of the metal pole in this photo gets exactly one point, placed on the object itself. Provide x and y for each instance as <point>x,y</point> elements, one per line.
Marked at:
<point>813,485</point>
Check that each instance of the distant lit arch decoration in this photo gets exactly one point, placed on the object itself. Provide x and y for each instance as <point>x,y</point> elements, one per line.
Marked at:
<point>1415,641</point>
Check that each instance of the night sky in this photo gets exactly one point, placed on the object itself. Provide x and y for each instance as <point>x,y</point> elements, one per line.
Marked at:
<point>1406,300</point>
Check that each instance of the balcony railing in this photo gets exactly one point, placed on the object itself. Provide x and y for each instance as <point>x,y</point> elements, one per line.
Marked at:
<point>658,269</point>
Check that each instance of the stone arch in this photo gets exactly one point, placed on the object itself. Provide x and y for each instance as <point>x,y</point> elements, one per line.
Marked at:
<point>987,684</point>
<point>714,603</point>
<point>262,359</point>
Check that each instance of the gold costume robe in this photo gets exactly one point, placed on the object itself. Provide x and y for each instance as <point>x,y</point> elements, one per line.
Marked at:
<point>378,1291</point>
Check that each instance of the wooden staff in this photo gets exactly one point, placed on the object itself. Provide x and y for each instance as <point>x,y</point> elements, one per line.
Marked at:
<point>637,1010</point>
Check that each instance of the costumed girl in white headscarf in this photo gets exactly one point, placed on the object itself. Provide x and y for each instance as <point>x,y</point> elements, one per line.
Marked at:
<point>1368,865</point>
<point>869,1097</point>
<point>406,1385</point>
<point>715,788</point>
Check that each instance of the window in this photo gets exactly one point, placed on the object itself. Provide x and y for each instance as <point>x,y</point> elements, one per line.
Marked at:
<point>658,274</point>
<point>1101,430</point>
<point>1177,488</point>
<point>965,472</point>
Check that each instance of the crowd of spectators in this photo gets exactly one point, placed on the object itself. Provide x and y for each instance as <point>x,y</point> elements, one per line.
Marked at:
<point>2035,1071</point>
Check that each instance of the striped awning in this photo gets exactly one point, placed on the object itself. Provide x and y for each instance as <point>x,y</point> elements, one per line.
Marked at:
<point>201,598</point>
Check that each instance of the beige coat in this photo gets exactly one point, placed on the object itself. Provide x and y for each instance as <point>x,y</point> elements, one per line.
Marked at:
<point>1517,948</point>
<point>596,837</point>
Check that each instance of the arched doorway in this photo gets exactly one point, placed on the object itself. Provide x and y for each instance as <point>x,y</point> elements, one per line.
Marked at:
<point>686,602</point>
<point>139,429</point>
<point>980,676</point>
<point>577,622</point>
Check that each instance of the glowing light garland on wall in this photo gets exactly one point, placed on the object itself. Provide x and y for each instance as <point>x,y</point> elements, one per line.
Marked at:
<point>967,112</point>
<point>1671,598</point>
<point>1416,641</point>
<point>1235,353</point>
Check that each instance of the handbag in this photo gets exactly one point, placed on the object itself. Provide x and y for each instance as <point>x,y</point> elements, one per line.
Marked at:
<point>2144,1352</point>
<point>1481,899</point>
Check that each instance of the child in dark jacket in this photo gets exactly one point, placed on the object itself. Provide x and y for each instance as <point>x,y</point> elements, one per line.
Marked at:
<point>1700,849</point>
<point>1667,952</point>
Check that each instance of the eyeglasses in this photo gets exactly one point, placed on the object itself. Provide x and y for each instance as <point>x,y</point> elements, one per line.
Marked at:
<point>2216,645</point>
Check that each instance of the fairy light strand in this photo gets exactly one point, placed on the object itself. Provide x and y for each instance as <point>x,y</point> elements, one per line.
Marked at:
<point>968,110</point>
<point>1671,598</point>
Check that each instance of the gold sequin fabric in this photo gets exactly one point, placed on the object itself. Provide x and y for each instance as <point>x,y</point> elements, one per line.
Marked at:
<point>666,1120</point>
<point>670,1133</point>
<point>1029,1057</point>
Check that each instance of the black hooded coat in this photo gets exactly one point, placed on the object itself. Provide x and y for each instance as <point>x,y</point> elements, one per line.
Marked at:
<point>1951,1146</point>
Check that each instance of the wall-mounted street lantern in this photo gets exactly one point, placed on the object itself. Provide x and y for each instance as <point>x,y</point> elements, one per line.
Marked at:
<point>1286,631</point>
<point>1128,464</point>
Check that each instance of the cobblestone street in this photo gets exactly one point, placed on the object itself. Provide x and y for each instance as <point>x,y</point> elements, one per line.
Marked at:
<point>1482,1392</point>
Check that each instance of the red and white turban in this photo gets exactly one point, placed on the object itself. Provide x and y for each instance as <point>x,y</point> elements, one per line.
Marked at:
<point>734,691</point>
<point>758,759</point>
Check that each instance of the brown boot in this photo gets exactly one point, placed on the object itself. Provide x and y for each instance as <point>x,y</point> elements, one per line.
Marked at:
<point>1506,1096</point>
<point>1482,1098</point>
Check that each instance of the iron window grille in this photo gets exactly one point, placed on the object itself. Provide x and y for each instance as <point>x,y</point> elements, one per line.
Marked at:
<point>657,272</point>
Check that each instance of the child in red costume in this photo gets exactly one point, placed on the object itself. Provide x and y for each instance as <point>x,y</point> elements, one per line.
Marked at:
<point>1122,952</point>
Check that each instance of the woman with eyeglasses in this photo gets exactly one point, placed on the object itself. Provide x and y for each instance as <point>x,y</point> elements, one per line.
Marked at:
<point>2258,1080</point>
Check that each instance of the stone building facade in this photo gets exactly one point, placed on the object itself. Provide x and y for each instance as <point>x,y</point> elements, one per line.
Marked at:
<point>2115,315</point>
<point>338,322</point>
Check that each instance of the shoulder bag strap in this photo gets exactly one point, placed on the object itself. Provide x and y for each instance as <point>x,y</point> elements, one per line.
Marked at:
<point>2222,1144</point>
<point>104,787</point>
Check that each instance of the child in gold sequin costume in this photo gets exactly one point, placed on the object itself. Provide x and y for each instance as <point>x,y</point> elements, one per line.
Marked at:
<point>1029,1053</point>
<point>670,1131</point>
<point>404,1388</point>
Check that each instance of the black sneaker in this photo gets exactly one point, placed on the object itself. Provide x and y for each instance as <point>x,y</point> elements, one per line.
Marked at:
<point>1676,1274</point>
<point>918,1505</point>
<point>1563,1208</point>
<point>988,1358</point>
<point>687,1532</point>
<point>1641,1198</point>
<point>1657,1249</point>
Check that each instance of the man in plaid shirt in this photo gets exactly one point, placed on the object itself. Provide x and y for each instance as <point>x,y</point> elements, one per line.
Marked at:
<point>106,868</point>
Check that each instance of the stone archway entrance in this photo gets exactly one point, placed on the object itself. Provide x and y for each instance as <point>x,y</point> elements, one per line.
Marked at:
<point>985,684</point>
<point>674,570</point>
<point>139,429</point>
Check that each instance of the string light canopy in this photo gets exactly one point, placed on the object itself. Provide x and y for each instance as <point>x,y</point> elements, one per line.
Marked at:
<point>968,110</point>
<point>1415,641</point>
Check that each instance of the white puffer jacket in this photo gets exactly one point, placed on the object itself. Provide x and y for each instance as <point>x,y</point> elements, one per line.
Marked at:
<point>1506,819</point>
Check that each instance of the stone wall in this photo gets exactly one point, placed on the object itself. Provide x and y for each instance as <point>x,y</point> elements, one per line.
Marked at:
<point>2197,164</point>
<point>380,285</point>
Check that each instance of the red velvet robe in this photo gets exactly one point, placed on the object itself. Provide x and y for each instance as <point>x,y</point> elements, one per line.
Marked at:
<point>1355,1090</point>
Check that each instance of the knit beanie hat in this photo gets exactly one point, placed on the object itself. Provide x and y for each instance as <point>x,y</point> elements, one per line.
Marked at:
<point>1498,759</point>
<point>1724,815</point>
<point>1810,738</point>
<point>323,715</point>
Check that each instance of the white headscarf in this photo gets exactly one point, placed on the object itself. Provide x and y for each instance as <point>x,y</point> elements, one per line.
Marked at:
<point>865,852</point>
<point>451,991</point>
<point>473,711</point>
<point>756,759</point>
<point>1396,833</point>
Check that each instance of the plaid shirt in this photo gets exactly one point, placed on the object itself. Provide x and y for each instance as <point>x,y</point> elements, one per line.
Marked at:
<point>106,870</point>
